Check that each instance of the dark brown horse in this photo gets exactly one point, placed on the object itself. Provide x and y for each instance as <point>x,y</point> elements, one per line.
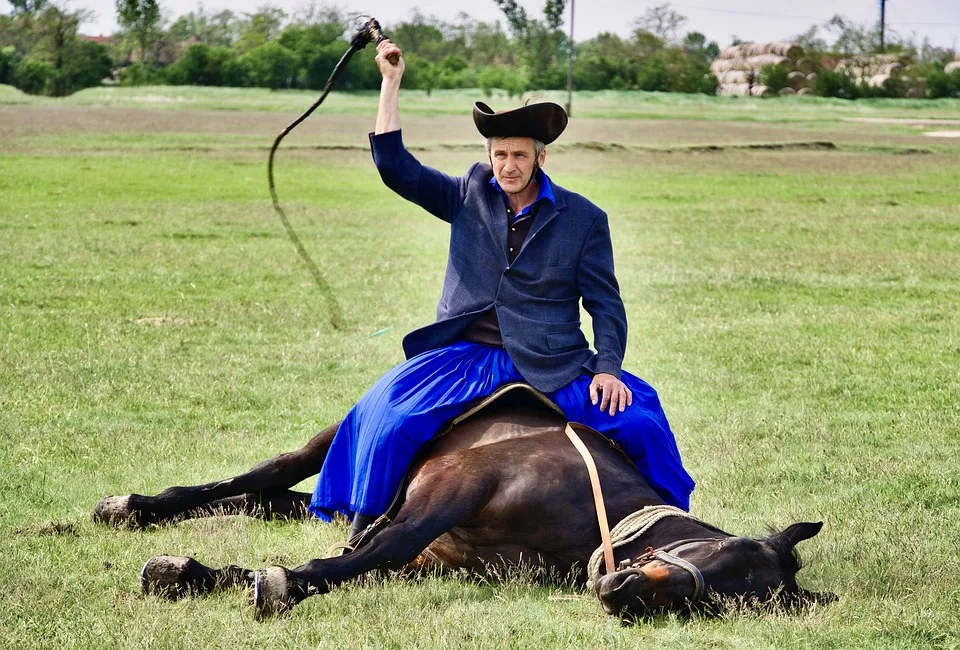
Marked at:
<point>503,487</point>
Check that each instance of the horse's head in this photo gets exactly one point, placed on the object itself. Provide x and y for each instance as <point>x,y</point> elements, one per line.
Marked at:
<point>680,575</point>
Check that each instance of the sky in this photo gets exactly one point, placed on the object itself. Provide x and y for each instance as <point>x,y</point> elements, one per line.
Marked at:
<point>751,20</point>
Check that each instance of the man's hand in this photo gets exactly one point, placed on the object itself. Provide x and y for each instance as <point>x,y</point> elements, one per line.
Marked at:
<point>615,394</point>
<point>390,71</point>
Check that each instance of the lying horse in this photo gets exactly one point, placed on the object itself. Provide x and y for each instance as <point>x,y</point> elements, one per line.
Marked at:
<point>503,487</point>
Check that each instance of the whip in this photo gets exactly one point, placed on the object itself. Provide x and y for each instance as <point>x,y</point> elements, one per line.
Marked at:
<point>368,31</point>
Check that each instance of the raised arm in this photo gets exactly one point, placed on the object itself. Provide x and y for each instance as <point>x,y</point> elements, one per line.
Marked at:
<point>437,193</point>
<point>388,114</point>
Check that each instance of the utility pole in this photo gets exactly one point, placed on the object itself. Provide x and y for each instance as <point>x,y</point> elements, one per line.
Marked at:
<point>570,66</point>
<point>883,16</point>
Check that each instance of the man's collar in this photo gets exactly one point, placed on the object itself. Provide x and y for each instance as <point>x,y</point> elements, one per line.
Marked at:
<point>545,191</point>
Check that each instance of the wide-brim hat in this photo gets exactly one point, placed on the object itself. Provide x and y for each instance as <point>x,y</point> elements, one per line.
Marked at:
<point>544,121</point>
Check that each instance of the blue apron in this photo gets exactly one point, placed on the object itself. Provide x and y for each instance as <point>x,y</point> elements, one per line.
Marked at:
<point>378,439</point>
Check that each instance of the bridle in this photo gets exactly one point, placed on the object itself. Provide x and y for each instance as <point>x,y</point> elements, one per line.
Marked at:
<point>666,554</point>
<point>632,527</point>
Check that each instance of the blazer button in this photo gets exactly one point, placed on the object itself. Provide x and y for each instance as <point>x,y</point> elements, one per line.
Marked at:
<point>498,303</point>
<point>506,271</point>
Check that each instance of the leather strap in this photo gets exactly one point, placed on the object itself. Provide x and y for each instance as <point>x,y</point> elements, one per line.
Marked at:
<point>597,496</point>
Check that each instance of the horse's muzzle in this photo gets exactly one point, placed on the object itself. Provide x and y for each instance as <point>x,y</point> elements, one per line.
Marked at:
<point>621,591</point>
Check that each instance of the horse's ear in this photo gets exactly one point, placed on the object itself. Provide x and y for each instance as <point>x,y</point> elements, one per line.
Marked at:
<point>793,535</point>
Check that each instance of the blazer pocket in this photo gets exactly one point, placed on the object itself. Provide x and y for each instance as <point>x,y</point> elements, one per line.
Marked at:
<point>556,271</point>
<point>564,340</point>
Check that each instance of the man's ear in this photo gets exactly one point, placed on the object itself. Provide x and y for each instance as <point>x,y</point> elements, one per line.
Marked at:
<point>543,157</point>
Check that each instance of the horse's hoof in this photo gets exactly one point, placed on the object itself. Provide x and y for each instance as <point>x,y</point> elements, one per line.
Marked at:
<point>272,592</point>
<point>115,511</point>
<point>170,576</point>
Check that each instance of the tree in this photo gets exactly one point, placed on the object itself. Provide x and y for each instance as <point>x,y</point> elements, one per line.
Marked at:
<point>73,63</point>
<point>853,39</point>
<point>25,7</point>
<point>661,21</point>
<point>141,20</point>
<point>260,28</point>
<point>695,44</point>
<point>421,36</point>
<point>541,43</point>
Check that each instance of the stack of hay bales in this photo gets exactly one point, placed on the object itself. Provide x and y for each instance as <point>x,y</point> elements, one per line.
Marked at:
<point>953,65</point>
<point>874,70</point>
<point>738,68</point>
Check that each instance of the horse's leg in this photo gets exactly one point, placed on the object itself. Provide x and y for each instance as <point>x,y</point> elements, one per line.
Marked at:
<point>271,476</point>
<point>435,504</point>
<point>285,504</point>
<point>174,577</point>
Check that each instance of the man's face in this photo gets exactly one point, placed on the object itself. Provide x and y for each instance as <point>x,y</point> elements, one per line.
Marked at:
<point>513,162</point>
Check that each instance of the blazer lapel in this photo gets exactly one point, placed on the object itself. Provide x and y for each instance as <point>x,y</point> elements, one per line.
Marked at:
<point>546,213</point>
<point>496,220</point>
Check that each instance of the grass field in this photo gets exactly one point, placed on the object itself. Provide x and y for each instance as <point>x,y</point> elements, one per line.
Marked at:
<point>798,310</point>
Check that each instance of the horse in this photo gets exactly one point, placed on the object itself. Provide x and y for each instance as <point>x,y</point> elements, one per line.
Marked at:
<point>502,486</point>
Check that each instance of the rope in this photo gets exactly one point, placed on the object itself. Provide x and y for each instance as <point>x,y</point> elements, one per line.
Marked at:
<point>630,528</point>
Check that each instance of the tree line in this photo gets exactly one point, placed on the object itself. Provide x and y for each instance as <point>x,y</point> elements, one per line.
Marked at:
<point>43,52</point>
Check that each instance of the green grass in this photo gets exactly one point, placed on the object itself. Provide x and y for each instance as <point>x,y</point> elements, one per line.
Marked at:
<point>797,310</point>
<point>599,104</point>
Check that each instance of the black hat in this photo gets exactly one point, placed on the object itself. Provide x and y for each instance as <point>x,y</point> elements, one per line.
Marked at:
<point>544,121</point>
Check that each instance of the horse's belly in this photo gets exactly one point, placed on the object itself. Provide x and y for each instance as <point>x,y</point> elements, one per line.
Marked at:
<point>453,550</point>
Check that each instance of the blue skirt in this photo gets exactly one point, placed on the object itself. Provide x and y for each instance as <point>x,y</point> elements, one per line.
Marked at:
<point>379,437</point>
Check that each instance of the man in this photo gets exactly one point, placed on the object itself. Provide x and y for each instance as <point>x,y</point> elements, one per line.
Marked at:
<point>523,253</point>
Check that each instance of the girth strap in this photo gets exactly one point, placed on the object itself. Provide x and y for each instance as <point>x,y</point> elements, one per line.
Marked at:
<point>597,496</point>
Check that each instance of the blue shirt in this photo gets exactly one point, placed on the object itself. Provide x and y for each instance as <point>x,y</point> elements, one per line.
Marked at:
<point>545,193</point>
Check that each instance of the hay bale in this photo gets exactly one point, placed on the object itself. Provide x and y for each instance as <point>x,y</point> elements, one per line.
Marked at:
<point>877,80</point>
<point>797,80</point>
<point>804,65</point>
<point>950,67</point>
<point>734,90</point>
<point>805,91</point>
<point>811,80</point>
<point>787,91</point>
<point>760,91</point>
<point>728,65</point>
<point>787,49</point>
<point>777,48</point>
<point>891,69</point>
<point>760,61</point>
<point>732,52</point>
<point>734,77</point>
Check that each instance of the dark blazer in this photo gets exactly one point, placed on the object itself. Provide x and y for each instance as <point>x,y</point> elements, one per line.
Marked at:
<point>567,256</point>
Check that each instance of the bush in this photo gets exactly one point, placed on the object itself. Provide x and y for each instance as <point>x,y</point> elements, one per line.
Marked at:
<point>269,66</point>
<point>775,77</point>
<point>32,76</point>
<point>206,66</point>
<point>831,83</point>
<point>9,58</point>
<point>140,74</point>
<point>87,64</point>
<point>361,74</point>
<point>502,77</point>
<point>941,84</point>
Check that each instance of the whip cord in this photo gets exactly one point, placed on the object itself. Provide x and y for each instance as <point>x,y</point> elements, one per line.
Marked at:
<point>332,306</point>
